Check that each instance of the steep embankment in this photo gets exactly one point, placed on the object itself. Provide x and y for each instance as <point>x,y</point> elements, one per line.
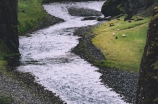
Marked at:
<point>130,7</point>
<point>32,16</point>
<point>148,79</point>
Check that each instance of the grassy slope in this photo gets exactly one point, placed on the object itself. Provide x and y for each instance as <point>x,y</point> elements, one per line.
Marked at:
<point>29,13</point>
<point>125,52</point>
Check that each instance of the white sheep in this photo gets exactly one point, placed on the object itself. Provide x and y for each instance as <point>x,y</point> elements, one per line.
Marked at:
<point>123,35</point>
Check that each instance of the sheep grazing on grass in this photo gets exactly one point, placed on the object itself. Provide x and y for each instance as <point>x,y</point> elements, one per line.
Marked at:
<point>113,34</point>
<point>123,35</point>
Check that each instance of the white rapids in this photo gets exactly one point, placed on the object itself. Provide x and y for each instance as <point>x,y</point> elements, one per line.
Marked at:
<point>46,54</point>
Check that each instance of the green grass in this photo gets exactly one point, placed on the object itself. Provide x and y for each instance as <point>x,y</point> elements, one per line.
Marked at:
<point>5,100</point>
<point>29,13</point>
<point>125,52</point>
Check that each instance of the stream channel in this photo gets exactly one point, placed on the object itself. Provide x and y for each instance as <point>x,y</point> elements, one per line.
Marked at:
<point>46,54</point>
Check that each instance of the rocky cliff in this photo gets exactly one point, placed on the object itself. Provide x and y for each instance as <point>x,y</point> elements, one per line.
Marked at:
<point>131,7</point>
<point>136,6</point>
<point>148,81</point>
<point>47,1</point>
<point>112,8</point>
<point>8,24</point>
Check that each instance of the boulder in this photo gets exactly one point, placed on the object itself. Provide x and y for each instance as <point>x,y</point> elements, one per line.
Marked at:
<point>74,11</point>
<point>110,8</point>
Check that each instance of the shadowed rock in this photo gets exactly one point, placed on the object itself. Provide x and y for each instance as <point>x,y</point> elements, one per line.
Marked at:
<point>148,81</point>
<point>8,24</point>
<point>83,12</point>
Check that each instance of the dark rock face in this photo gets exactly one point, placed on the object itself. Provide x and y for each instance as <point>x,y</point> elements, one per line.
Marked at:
<point>136,6</point>
<point>8,24</point>
<point>83,12</point>
<point>148,81</point>
<point>110,8</point>
<point>131,7</point>
<point>47,1</point>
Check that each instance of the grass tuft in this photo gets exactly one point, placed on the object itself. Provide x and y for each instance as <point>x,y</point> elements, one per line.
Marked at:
<point>5,100</point>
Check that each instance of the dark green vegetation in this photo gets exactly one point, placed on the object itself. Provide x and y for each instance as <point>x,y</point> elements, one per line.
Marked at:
<point>5,100</point>
<point>9,42</point>
<point>30,12</point>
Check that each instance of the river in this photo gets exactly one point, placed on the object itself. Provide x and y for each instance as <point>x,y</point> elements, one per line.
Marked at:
<point>47,55</point>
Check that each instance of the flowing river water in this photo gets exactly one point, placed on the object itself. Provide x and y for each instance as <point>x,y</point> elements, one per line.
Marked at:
<point>46,54</point>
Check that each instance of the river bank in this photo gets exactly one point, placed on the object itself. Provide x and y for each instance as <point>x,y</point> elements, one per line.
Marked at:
<point>123,82</point>
<point>20,88</point>
<point>28,79</point>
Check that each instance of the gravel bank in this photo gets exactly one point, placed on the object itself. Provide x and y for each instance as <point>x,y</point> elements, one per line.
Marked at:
<point>23,90</point>
<point>122,82</point>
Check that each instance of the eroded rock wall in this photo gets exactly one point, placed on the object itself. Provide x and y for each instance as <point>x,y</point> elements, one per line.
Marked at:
<point>47,1</point>
<point>131,7</point>
<point>110,8</point>
<point>148,81</point>
<point>136,6</point>
<point>8,24</point>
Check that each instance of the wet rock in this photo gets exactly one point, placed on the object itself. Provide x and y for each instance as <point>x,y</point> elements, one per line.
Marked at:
<point>89,18</point>
<point>104,19</point>
<point>148,81</point>
<point>83,12</point>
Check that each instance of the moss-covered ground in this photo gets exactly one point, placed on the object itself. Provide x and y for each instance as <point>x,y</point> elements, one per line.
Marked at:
<point>122,52</point>
<point>30,12</point>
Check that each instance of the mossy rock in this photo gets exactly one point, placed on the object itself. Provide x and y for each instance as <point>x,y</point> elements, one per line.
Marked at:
<point>112,8</point>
